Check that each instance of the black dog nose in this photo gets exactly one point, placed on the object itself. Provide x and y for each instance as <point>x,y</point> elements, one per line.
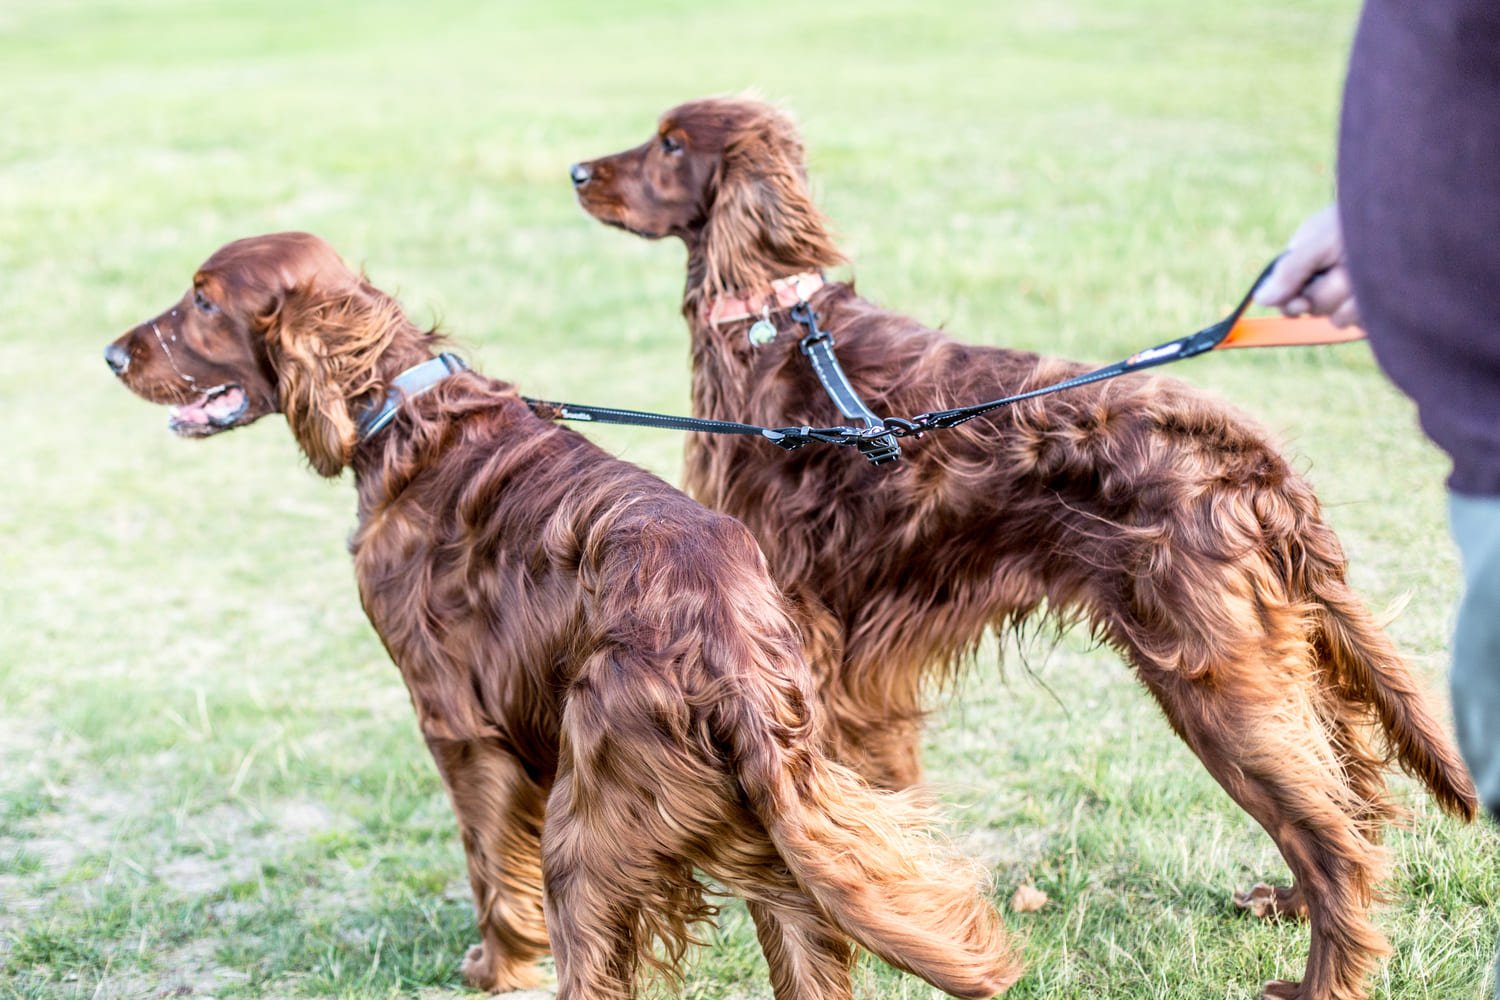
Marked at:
<point>117,358</point>
<point>580,173</point>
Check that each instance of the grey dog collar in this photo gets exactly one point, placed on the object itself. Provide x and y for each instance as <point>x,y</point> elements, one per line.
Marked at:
<point>409,384</point>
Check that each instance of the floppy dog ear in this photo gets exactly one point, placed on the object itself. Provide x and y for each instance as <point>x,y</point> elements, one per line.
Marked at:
<point>324,347</point>
<point>763,222</point>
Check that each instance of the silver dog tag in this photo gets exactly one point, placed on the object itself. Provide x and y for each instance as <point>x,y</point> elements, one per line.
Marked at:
<point>762,331</point>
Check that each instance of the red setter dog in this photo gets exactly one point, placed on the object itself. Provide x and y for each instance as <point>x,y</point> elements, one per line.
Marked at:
<point>1165,520</point>
<point>603,670</point>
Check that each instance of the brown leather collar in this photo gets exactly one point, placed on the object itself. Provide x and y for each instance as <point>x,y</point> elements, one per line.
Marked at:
<point>785,292</point>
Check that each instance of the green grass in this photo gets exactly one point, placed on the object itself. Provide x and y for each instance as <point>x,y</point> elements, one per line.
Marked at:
<point>210,778</point>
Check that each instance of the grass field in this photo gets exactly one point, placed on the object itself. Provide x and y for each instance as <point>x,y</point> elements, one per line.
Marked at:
<point>210,778</point>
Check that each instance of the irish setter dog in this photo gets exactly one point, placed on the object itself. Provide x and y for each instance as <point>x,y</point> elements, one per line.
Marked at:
<point>602,669</point>
<point>1156,514</point>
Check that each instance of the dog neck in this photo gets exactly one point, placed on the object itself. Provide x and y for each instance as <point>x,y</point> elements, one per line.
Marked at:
<point>457,402</point>
<point>785,293</point>
<point>731,371</point>
<point>752,274</point>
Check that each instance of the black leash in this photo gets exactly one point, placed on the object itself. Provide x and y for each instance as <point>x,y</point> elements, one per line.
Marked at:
<point>1180,349</point>
<point>876,440</point>
<point>788,438</point>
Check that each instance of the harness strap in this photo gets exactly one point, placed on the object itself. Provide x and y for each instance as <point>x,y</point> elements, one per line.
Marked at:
<point>818,347</point>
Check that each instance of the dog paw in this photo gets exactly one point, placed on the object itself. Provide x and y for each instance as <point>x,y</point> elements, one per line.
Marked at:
<point>485,972</point>
<point>1281,989</point>
<point>1269,902</point>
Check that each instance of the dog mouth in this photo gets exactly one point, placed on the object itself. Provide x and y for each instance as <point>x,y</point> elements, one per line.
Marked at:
<point>613,215</point>
<point>619,224</point>
<point>211,411</point>
<point>632,230</point>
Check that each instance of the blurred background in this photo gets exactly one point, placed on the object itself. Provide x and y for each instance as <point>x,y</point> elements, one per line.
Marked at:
<point>211,782</point>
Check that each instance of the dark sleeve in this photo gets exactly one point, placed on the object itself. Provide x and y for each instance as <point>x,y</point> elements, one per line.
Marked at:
<point>1419,199</point>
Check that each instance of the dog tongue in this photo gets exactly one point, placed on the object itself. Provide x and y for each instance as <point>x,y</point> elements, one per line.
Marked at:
<point>215,405</point>
<point>225,404</point>
<point>190,413</point>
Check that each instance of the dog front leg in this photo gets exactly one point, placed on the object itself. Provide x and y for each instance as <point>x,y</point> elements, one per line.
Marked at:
<point>500,810</point>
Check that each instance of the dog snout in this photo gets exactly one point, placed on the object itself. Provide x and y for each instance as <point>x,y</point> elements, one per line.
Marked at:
<point>117,357</point>
<point>580,172</point>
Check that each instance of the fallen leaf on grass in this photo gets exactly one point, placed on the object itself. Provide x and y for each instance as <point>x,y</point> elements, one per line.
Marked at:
<point>1027,899</point>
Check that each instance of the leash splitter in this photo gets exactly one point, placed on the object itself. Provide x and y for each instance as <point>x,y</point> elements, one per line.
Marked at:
<point>874,441</point>
<point>877,438</point>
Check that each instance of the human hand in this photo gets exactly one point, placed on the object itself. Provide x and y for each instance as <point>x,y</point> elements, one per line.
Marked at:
<point>1311,276</point>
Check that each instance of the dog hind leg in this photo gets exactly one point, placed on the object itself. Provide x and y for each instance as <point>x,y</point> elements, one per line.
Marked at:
<point>809,958</point>
<point>1265,741</point>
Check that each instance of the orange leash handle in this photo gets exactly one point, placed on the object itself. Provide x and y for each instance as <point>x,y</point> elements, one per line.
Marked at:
<point>1285,331</point>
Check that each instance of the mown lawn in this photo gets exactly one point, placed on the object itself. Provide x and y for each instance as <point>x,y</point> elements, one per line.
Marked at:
<point>210,778</point>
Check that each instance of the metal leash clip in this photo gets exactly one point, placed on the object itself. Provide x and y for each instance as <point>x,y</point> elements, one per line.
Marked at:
<point>790,438</point>
<point>877,444</point>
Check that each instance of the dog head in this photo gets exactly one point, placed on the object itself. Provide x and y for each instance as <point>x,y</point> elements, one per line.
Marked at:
<point>270,324</point>
<point>725,175</point>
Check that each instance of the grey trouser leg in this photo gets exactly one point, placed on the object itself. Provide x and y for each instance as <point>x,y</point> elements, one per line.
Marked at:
<point>1475,678</point>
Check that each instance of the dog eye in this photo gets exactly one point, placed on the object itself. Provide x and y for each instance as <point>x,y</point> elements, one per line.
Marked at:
<point>201,301</point>
<point>670,145</point>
